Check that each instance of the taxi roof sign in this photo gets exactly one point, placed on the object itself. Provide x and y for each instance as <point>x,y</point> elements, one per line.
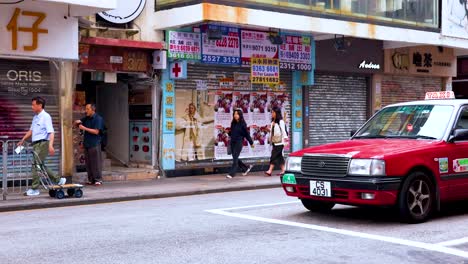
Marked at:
<point>440,95</point>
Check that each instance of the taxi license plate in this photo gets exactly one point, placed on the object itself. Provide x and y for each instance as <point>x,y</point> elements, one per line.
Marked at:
<point>320,188</point>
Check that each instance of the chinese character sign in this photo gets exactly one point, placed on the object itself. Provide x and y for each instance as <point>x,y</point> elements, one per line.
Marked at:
<point>221,51</point>
<point>265,71</point>
<point>295,53</point>
<point>36,29</point>
<point>256,44</point>
<point>184,45</point>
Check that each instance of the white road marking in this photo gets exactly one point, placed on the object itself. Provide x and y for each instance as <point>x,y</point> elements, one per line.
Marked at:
<point>454,242</point>
<point>427,246</point>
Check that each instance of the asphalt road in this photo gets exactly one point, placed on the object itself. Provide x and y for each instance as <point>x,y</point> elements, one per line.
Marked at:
<point>262,226</point>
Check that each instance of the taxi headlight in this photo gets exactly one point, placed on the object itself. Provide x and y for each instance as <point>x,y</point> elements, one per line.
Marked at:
<point>293,164</point>
<point>367,167</point>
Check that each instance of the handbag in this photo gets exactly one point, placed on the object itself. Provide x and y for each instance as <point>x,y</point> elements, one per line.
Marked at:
<point>277,137</point>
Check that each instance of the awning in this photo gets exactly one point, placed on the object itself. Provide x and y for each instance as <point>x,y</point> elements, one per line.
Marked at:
<point>123,43</point>
<point>85,7</point>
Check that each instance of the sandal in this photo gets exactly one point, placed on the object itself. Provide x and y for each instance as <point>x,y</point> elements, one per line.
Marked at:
<point>267,173</point>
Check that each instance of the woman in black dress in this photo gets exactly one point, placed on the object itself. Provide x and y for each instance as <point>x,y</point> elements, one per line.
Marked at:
<point>278,138</point>
<point>238,133</point>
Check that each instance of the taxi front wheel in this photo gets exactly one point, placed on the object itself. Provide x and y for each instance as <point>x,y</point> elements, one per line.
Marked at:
<point>416,198</point>
<point>317,206</point>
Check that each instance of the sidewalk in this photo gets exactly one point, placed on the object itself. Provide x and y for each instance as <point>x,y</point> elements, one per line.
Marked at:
<point>149,189</point>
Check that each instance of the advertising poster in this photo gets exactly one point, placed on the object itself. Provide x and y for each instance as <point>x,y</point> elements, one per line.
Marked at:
<point>194,121</point>
<point>295,53</point>
<point>221,134</point>
<point>260,136</point>
<point>265,71</point>
<point>259,108</point>
<point>256,44</point>
<point>184,45</point>
<point>223,108</point>
<point>242,102</point>
<point>242,81</point>
<point>221,51</point>
<point>454,18</point>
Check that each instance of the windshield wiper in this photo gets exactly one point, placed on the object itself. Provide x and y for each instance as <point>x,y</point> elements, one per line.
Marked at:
<point>418,136</point>
<point>371,136</point>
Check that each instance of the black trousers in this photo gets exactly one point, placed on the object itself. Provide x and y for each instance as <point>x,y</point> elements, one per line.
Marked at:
<point>93,158</point>
<point>236,148</point>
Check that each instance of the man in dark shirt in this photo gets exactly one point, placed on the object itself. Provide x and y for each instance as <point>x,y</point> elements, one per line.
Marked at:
<point>92,125</point>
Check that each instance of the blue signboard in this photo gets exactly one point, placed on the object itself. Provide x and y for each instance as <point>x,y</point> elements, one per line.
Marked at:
<point>223,50</point>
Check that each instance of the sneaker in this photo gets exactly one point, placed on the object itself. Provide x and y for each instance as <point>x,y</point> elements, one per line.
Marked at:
<point>98,183</point>
<point>228,176</point>
<point>248,170</point>
<point>62,181</point>
<point>32,192</point>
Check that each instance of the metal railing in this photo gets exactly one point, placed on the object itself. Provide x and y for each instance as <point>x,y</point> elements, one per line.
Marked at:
<point>15,167</point>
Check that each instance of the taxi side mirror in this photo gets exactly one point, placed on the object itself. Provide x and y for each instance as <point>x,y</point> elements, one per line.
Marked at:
<point>459,134</point>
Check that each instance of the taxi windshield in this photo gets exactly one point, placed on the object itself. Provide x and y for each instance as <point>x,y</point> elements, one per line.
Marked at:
<point>409,121</point>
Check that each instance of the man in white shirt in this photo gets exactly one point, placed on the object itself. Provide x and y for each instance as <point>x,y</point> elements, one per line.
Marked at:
<point>42,133</point>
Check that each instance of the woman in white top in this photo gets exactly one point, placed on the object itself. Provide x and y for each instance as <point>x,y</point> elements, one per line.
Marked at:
<point>278,138</point>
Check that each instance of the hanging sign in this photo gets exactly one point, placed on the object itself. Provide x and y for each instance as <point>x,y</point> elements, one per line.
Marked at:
<point>125,12</point>
<point>224,50</point>
<point>184,45</point>
<point>295,53</point>
<point>265,71</point>
<point>256,44</point>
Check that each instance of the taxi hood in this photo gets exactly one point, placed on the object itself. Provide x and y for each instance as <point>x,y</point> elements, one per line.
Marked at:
<point>369,148</point>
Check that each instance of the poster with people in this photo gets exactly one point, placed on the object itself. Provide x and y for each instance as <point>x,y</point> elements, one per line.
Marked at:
<point>223,108</point>
<point>194,121</point>
<point>242,102</point>
<point>259,108</point>
<point>260,136</point>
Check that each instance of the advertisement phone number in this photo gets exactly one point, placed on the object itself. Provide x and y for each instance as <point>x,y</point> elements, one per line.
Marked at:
<point>220,59</point>
<point>295,66</point>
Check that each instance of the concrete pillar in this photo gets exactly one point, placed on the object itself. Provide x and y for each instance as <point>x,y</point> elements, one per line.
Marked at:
<point>66,84</point>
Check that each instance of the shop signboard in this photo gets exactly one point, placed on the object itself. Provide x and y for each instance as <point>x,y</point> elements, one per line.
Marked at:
<point>295,53</point>
<point>265,71</point>
<point>184,45</point>
<point>37,29</point>
<point>256,44</point>
<point>225,50</point>
<point>421,60</point>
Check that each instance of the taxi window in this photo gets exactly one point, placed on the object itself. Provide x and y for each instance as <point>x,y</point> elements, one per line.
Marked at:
<point>462,121</point>
<point>413,121</point>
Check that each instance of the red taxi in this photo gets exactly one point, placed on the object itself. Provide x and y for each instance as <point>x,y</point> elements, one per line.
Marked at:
<point>411,155</point>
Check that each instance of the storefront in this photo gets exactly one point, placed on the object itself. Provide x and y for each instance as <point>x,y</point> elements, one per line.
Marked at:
<point>215,70</point>
<point>460,84</point>
<point>117,76</point>
<point>338,102</point>
<point>411,72</point>
<point>37,53</point>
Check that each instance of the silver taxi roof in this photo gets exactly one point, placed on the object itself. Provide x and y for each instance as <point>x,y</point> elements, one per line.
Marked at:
<point>452,102</point>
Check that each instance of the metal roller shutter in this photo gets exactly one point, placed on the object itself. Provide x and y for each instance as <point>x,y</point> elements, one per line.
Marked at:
<point>201,72</point>
<point>337,105</point>
<point>18,85</point>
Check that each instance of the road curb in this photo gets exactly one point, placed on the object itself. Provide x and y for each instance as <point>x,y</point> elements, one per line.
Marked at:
<point>77,202</point>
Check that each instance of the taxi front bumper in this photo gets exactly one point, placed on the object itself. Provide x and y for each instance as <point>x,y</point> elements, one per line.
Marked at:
<point>379,191</point>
